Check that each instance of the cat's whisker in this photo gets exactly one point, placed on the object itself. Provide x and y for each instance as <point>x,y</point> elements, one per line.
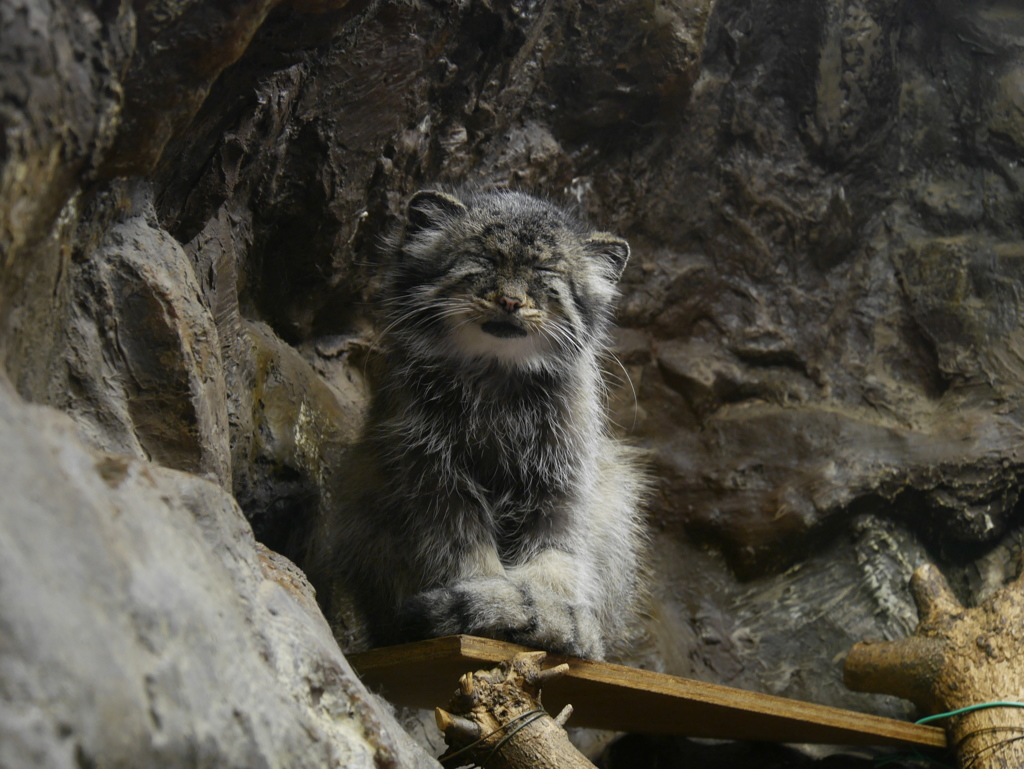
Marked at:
<point>629,381</point>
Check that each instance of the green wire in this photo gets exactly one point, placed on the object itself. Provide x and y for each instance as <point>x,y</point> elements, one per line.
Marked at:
<point>968,709</point>
<point>918,756</point>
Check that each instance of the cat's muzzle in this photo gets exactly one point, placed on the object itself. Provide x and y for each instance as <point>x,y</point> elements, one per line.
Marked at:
<point>503,329</point>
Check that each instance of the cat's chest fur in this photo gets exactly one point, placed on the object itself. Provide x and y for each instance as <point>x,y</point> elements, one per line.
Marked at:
<point>509,447</point>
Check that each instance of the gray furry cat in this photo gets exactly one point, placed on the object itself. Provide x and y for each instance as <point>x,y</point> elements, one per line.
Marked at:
<point>485,495</point>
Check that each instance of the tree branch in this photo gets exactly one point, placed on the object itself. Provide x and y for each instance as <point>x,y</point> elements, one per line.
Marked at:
<point>495,719</point>
<point>957,658</point>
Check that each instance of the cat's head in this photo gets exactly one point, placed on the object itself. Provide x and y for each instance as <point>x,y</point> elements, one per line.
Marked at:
<point>501,277</point>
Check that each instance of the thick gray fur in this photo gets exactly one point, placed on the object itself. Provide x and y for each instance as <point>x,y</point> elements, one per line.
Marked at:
<point>486,495</point>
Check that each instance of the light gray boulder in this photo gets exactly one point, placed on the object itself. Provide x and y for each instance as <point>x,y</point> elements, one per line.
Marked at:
<point>142,625</point>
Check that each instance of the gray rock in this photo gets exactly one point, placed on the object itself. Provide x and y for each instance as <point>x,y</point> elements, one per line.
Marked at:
<point>141,625</point>
<point>143,373</point>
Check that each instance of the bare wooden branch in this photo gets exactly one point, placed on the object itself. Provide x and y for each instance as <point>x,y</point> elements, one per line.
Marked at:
<point>903,668</point>
<point>935,601</point>
<point>545,676</point>
<point>957,658</point>
<point>497,721</point>
<point>458,727</point>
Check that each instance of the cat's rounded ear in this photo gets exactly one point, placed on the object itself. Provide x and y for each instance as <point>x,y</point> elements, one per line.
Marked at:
<point>613,250</point>
<point>429,209</point>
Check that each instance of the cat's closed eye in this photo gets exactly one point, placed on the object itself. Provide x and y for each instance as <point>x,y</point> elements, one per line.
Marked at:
<point>483,257</point>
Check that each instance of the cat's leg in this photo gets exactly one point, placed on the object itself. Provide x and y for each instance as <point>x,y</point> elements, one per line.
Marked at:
<point>577,593</point>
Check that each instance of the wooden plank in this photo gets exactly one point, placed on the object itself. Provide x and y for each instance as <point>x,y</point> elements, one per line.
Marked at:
<point>605,696</point>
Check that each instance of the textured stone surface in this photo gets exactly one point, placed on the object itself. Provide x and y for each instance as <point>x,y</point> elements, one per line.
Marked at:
<point>144,374</point>
<point>820,321</point>
<point>141,625</point>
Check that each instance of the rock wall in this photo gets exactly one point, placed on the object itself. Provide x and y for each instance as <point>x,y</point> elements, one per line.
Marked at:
<point>143,625</point>
<point>820,339</point>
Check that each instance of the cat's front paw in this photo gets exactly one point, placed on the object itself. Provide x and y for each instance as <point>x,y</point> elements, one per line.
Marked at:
<point>564,628</point>
<point>495,607</point>
<point>490,606</point>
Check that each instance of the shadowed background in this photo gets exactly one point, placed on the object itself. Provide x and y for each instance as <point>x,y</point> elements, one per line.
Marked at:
<point>820,322</point>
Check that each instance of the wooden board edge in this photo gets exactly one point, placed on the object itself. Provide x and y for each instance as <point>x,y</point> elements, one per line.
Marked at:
<point>488,651</point>
<point>485,652</point>
<point>417,651</point>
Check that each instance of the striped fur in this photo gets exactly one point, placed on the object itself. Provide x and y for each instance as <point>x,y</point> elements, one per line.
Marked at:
<point>486,495</point>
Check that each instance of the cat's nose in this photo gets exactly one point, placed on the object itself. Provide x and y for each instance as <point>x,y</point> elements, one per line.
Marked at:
<point>509,303</point>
